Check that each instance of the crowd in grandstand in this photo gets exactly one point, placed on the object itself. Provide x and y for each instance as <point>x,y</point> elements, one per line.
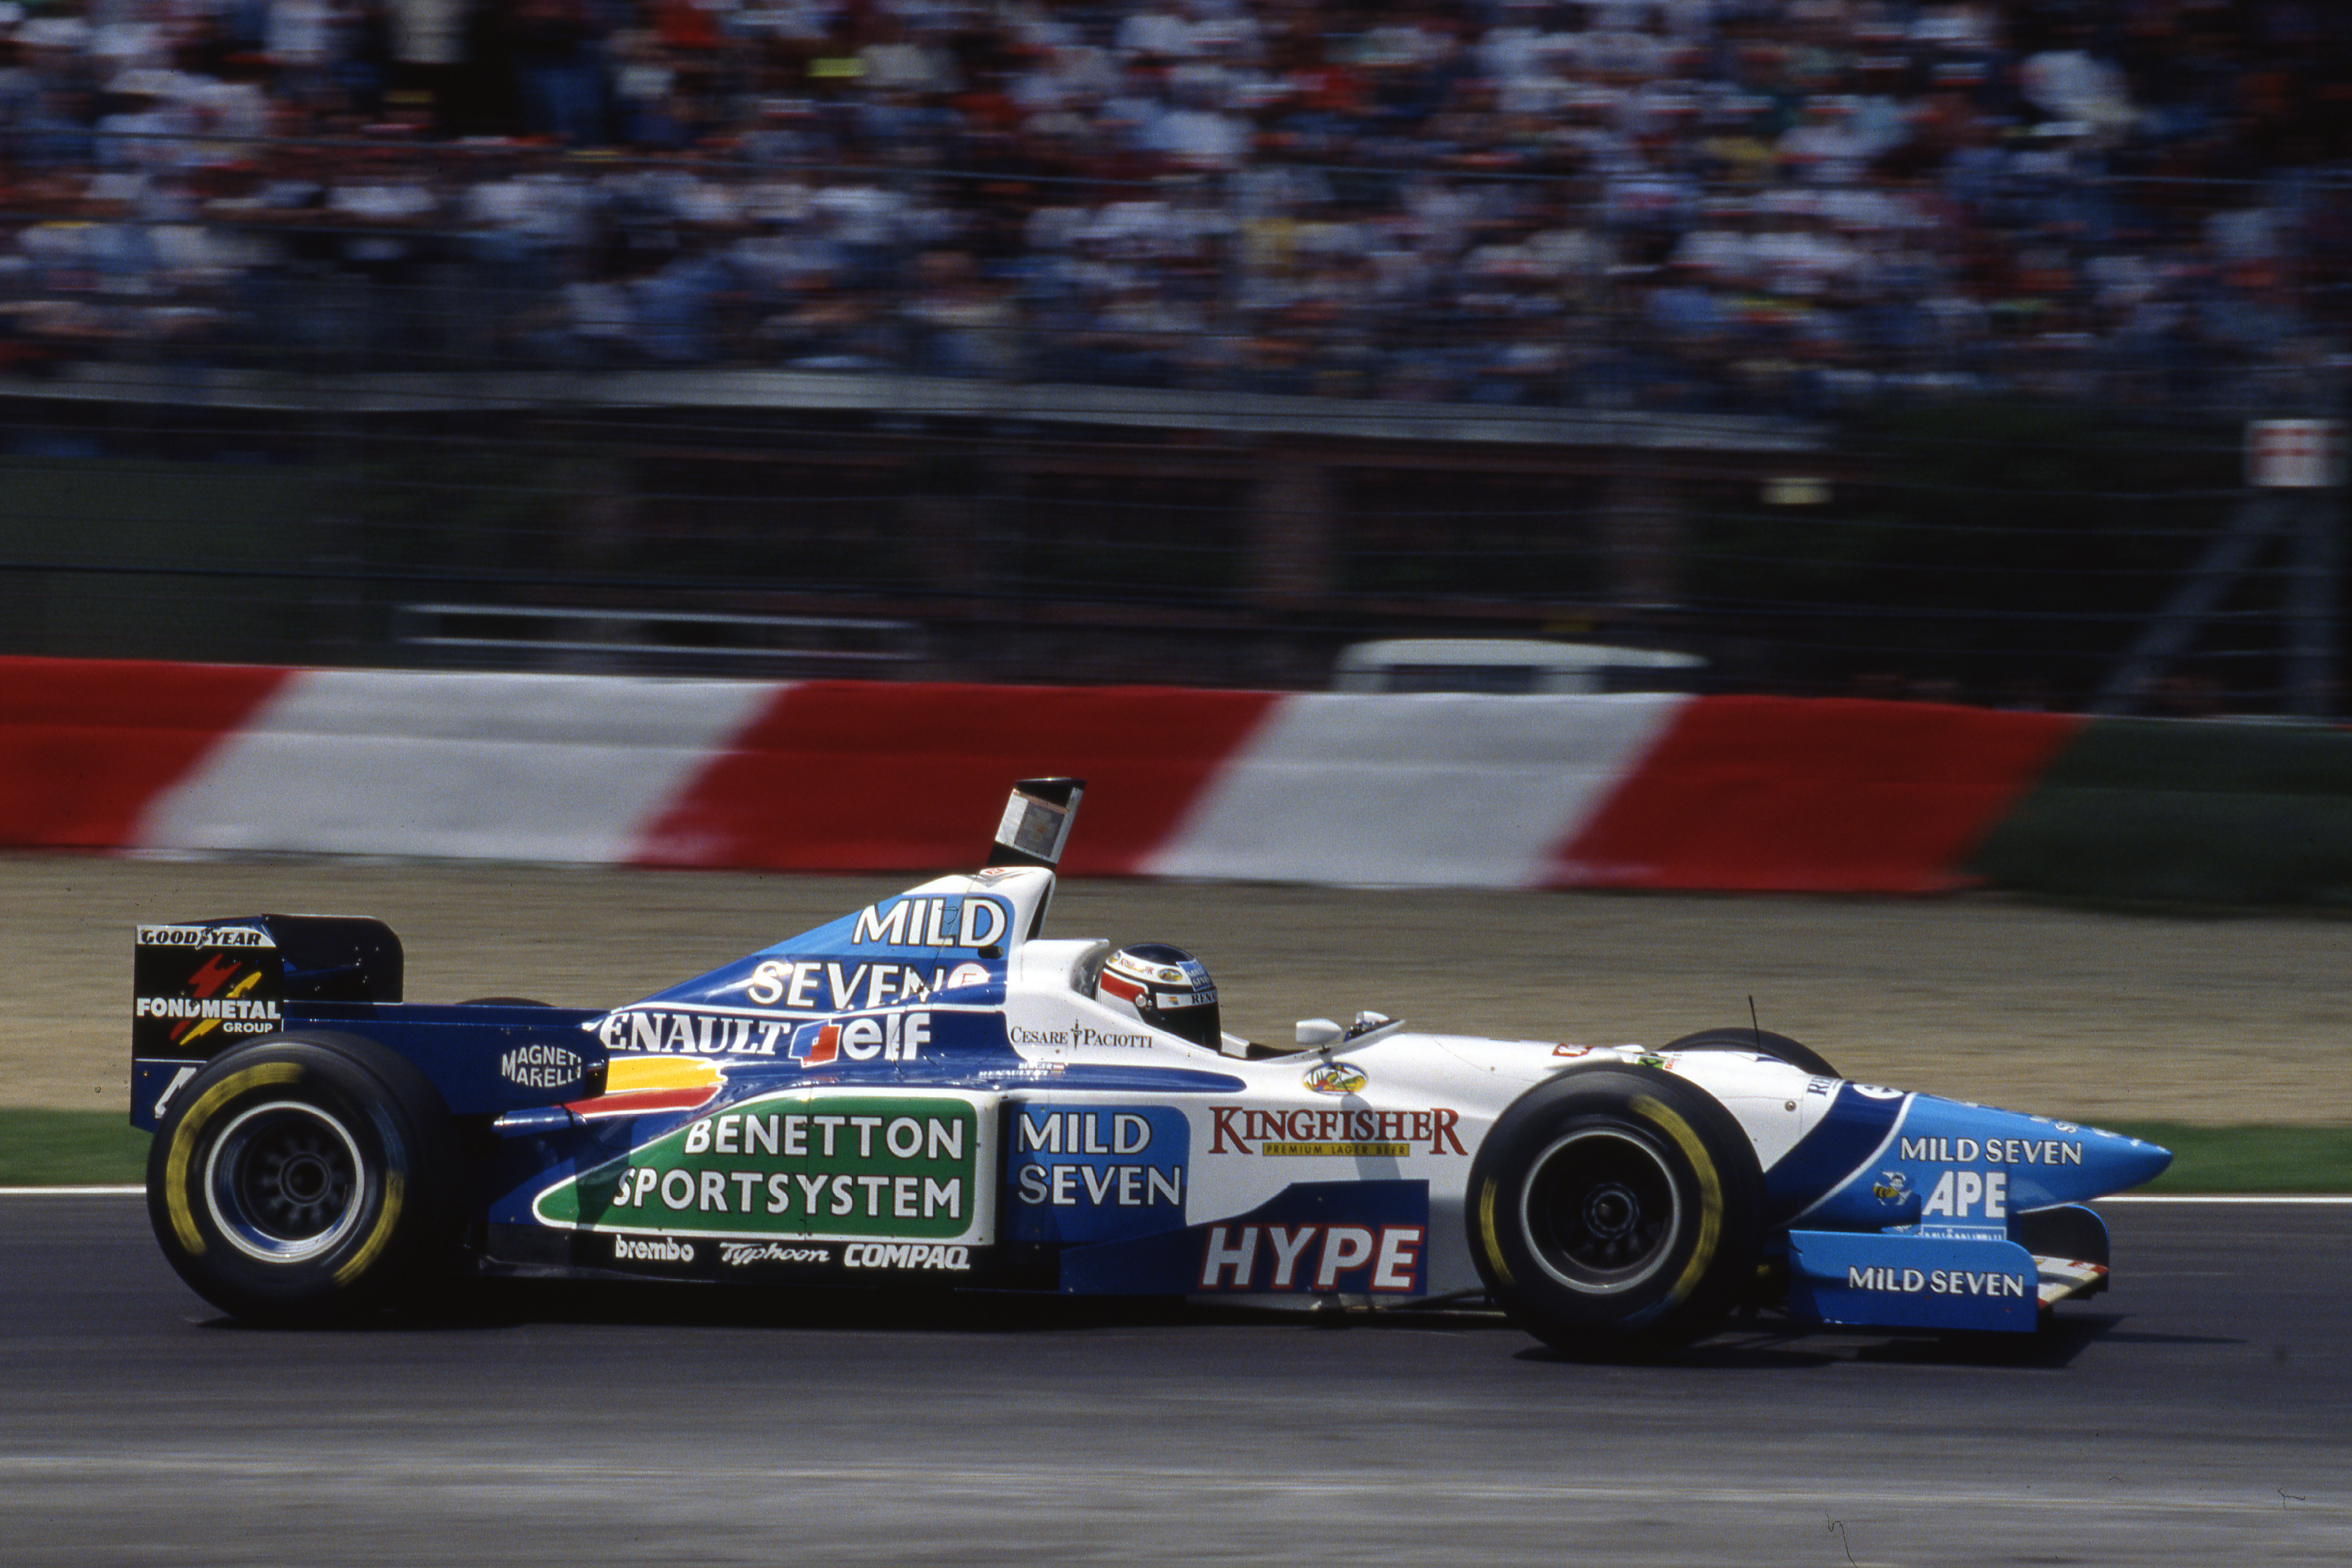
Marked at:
<point>1658,204</point>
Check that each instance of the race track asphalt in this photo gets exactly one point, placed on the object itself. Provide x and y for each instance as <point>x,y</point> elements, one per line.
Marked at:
<point>2200,1414</point>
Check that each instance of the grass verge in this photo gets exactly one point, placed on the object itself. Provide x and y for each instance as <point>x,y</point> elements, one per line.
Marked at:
<point>2248,1159</point>
<point>63,1148</point>
<point>68,1148</point>
<point>2158,812</point>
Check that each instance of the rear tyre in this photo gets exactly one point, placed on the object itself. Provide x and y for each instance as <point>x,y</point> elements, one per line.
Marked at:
<point>305,1180</point>
<point>1615,1211</point>
<point>1760,1042</point>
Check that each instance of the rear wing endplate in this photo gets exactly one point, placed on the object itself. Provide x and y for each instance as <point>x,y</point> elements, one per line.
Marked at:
<point>1036,822</point>
<point>201,986</point>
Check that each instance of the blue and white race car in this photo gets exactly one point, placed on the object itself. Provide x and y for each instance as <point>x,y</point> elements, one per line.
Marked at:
<point>931,1091</point>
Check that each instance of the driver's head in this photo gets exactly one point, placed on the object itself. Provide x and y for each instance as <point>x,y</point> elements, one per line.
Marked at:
<point>1166,987</point>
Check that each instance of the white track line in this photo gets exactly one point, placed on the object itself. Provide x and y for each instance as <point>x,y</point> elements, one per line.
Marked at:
<point>2334,1200</point>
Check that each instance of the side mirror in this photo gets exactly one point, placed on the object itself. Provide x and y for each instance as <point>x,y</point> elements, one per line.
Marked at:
<point>1315,1032</point>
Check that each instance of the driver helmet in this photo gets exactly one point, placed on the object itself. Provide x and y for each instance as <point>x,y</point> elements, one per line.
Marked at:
<point>1166,987</point>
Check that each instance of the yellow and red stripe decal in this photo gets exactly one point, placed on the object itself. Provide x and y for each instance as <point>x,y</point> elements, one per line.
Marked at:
<point>634,1086</point>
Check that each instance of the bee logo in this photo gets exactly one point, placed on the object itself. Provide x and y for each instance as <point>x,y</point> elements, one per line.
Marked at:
<point>1335,1078</point>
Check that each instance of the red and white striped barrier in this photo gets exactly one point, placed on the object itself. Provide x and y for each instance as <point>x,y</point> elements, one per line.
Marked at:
<point>1473,791</point>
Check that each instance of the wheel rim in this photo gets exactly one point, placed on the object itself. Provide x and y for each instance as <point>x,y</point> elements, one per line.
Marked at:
<point>285,1181</point>
<point>1601,1210</point>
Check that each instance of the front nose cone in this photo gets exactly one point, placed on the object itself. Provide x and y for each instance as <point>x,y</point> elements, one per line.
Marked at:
<point>2038,1162</point>
<point>2121,1163</point>
<point>1945,1164</point>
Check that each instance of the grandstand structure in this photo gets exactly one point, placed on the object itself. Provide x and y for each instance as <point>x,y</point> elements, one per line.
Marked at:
<point>1863,345</point>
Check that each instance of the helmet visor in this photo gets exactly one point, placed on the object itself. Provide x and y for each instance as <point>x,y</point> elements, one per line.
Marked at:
<point>1169,989</point>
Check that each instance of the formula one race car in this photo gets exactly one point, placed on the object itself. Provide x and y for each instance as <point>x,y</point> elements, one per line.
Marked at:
<point>929,1091</point>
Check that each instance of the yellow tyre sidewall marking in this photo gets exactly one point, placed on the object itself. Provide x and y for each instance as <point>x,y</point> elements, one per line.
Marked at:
<point>1710,1228</point>
<point>184,1139</point>
<point>387,1218</point>
<point>1487,1230</point>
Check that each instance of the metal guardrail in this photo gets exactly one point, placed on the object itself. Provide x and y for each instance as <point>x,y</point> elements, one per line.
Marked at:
<point>660,641</point>
<point>1235,414</point>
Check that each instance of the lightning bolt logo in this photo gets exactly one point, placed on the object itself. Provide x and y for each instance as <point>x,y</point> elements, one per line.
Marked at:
<point>203,984</point>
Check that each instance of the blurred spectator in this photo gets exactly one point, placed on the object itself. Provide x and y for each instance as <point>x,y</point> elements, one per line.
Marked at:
<point>561,70</point>
<point>1721,203</point>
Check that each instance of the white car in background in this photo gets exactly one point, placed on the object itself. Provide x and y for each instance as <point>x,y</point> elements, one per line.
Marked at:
<point>1510,665</point>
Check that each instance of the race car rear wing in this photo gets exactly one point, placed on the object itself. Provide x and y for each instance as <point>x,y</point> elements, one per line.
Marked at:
<point>201,986</point>
<point>1036,822</point>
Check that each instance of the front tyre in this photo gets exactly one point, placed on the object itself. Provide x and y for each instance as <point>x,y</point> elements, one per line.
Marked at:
<point>1759,1042</point>
<point>1615,1211</point>
<point>305,1180</point>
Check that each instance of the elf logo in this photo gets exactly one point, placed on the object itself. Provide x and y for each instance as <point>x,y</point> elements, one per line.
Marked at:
<point>892,1036</point>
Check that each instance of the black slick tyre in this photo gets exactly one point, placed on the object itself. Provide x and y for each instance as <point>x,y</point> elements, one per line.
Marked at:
<point>1760,1042</point>
<point>1615,1211</point>
<point>305,1180</point>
